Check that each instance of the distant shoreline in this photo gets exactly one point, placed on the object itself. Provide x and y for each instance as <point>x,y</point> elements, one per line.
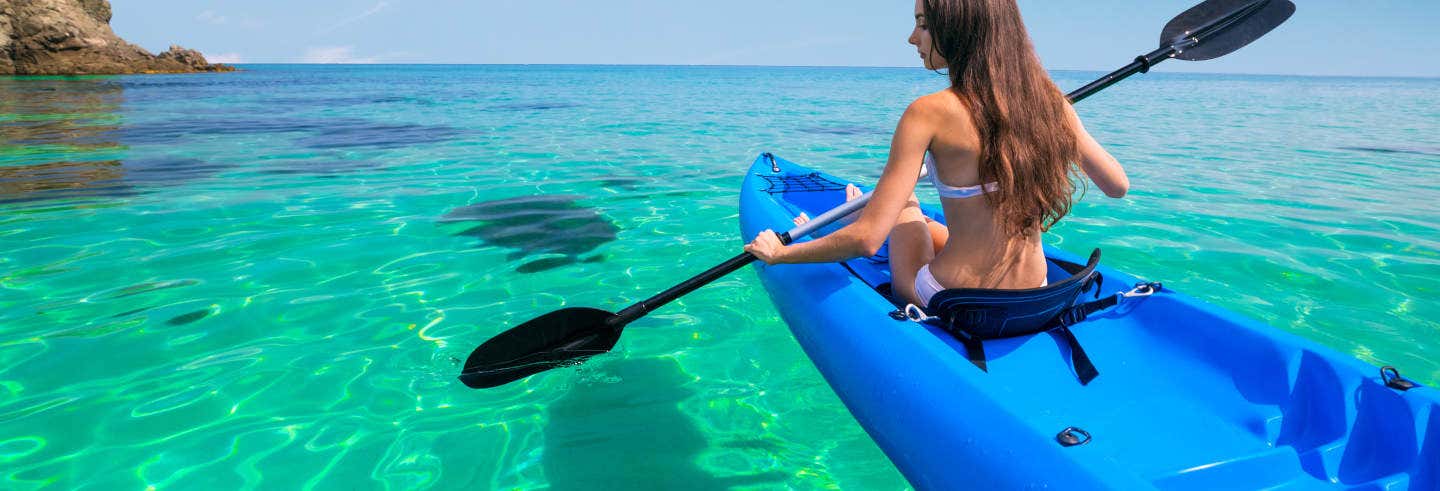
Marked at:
<point>1162,71</point>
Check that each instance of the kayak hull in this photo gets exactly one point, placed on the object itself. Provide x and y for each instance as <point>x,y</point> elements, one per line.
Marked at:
<point>1189,396</point>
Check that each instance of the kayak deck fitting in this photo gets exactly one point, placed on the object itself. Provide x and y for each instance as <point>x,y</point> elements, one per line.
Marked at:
<point>1189,396</point>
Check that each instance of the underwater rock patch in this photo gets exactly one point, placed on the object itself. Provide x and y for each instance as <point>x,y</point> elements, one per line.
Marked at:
<point>378,136</point>
<point>169,171</point>
<point>331,102</point>
<point>98,179</point>
<point>320,168</point>
<point>168,131</point>
<point>78,112</point>
<point>322,133</point>
<point>535,226</point>
<point>58,180</point>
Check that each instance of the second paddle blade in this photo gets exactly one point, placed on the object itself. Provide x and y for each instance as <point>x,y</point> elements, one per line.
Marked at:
<point>1267,15</point>
<point>560,338</point>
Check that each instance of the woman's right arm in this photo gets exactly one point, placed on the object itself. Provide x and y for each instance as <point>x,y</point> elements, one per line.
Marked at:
<point>866,235</point>
<point>1097,163</point>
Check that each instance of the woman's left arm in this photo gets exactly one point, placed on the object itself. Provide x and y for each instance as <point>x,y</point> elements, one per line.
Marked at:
<point>865,236</point>
<point>1096,162</point>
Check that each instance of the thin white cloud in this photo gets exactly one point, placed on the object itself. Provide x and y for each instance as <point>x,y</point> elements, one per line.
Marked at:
<point>334,55</point>
<point>226,58</point>
<point>210,17</point>
<point>351,20</point>
<point>215,18</point>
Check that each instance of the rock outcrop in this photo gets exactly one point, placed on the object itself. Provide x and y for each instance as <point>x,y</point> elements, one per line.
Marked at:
<point>73,37</point>
<point>7,56</point>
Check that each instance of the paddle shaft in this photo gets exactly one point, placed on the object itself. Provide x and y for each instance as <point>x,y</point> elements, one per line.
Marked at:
<point>639,309</point>
<point>1142,64</point>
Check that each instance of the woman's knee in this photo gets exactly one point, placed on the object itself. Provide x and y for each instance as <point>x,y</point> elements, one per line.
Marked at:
<point>939,235</point>
<point>910,213</point>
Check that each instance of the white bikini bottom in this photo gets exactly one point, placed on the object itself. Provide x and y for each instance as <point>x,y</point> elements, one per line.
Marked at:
<point>926,286</point>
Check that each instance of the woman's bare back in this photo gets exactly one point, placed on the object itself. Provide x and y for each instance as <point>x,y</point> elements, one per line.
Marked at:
<point>977,254</point>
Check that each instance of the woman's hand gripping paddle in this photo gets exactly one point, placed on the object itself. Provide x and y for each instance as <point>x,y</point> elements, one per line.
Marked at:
<point>566,337</point>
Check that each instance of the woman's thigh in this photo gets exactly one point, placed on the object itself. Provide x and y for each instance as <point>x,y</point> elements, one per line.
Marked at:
<point>911,246</point>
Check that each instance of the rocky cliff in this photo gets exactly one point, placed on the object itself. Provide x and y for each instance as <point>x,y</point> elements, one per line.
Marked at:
<point>73,37</point>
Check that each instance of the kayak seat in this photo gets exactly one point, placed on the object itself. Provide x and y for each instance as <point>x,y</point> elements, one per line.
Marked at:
<point>1428,474</point>
<point>974,315</point>
<point>1315,416</point>
<point>1383,439</point>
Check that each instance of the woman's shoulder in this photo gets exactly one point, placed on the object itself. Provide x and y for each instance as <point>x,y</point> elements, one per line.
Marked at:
<point>945,115</point>
<point>944,104</point>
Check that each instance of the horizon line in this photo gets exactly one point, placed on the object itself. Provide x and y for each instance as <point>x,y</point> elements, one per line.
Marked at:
<point>861,66</point>
<point>1306,75</point>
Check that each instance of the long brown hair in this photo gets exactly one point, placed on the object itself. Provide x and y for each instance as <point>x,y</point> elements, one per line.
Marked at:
<point>1027,141</point>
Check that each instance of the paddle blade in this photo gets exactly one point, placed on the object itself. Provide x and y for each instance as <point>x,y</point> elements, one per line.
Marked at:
<point>1224,26</point>
<point>561,338</point>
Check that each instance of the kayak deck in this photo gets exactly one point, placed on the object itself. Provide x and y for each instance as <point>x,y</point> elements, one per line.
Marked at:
<point>1189,396</point>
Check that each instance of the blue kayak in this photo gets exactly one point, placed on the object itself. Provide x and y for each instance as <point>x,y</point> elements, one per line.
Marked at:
<point>1189,396</point>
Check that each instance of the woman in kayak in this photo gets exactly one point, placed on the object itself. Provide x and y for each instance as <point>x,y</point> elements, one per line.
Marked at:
<point>1001,143</point>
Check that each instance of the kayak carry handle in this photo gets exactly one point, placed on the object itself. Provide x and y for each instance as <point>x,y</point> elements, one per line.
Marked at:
<point>1391,376</point>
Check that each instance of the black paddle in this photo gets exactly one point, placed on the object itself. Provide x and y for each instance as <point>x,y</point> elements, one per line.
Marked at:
<point>568,336</point>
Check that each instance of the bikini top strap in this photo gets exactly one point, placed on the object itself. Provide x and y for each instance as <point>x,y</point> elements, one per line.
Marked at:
<point>953,192</point>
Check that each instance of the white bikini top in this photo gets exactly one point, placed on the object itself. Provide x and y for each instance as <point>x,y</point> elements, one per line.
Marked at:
<point>948,191</point>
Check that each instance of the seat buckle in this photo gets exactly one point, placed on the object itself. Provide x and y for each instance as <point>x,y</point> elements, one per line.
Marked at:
<point>1142,290</point>
<point>917,315</point>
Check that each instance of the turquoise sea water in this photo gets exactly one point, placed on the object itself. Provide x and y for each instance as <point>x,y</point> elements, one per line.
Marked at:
<point>268,279</point>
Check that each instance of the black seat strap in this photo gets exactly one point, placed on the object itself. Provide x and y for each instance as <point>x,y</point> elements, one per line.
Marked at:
<point>975,351</point>
<point>1077,314</point>
<point>1084,369</point>
<point>1060,328</point>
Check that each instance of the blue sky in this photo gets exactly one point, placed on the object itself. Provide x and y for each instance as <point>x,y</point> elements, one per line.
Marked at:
<point>1326,37</point>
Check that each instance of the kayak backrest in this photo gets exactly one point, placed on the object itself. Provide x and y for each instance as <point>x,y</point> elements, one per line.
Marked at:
<point>974,315</point>
<point>994,314</point>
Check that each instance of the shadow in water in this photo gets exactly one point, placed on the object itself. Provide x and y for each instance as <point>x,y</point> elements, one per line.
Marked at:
<point>537,225</point>
<point>1428,151</point>
<point>631,434</point>
<point>534,106</point>
<point>188,318</point>
<point>624,182</point>
<point>841,130</point>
